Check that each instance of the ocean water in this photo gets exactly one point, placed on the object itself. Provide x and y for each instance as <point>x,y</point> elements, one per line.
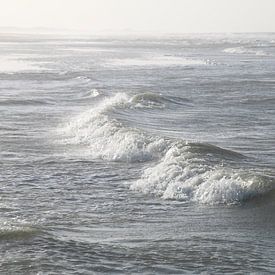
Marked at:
<point>138,154</point>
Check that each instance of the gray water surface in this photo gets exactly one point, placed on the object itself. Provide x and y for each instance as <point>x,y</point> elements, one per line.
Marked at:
<point>137,154</point>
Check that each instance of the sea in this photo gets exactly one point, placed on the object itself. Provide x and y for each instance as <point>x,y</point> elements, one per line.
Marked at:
<point>137,154</point>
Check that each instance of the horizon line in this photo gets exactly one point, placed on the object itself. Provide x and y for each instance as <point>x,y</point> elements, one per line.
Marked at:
<point>115,32</point>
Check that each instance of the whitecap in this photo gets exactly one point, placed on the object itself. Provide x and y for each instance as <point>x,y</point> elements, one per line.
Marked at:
<point>182,175</point>
<point>108,139</point>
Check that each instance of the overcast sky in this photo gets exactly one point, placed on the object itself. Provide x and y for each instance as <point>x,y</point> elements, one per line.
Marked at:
<point>166,16</point>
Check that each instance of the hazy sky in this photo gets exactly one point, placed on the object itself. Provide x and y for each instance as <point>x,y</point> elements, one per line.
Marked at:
<point>141,15</point>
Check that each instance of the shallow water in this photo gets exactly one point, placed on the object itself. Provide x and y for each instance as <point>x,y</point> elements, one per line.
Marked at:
<point>137,154</point>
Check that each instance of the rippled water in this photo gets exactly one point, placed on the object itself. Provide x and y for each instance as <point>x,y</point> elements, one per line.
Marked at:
<point>137,154</point>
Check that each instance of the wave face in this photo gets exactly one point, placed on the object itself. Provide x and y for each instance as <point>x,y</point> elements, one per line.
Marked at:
<point>180,170</point>
<point>243,50</point>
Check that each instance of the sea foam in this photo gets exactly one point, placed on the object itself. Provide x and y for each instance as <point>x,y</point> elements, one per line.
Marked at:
<point>186,176</point>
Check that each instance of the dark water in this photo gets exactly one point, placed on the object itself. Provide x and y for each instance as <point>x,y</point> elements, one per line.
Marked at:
<point>137,154</point>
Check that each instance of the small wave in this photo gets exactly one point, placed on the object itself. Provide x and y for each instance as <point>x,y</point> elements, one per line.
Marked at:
<point>17,232</point>
<point>243,50</point>
<point>83,79</point>
<point>94,93</point>
<point>152,100</point>
<point>155,61</point>
<point>259,101</point>
<point>90,94</point>
<point>148,100</point>
<point>33,102</point>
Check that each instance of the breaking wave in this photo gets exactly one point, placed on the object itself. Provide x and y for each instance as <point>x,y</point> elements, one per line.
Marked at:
<point>184,175</point>
<point>193,172</point>
<point>108,139</point>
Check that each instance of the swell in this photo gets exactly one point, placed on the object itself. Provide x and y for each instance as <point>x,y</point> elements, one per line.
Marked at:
<point>181,170</point>
<point>259,101</point>
<point>212,150</point>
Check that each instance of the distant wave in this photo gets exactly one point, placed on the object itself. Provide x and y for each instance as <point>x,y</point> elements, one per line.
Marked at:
<point>31,102</point>
<point>155,61</point>
<point>152,100</point>
<point>88,49</point>
<point>193,172</point>
<point>83,78</point>
<point>243,50</point>
<point>19,64</point>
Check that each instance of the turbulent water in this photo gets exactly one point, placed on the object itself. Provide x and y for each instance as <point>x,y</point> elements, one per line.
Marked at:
<point>137,154</point>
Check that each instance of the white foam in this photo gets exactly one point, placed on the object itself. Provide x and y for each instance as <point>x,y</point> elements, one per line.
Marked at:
<point>83,79</point>
<point>108,139</point>
<point>243,50</point>
<point>184,176</point>
<point>94,93</point>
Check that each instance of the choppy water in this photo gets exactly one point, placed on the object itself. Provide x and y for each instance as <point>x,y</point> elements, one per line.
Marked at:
<point>137,154</point>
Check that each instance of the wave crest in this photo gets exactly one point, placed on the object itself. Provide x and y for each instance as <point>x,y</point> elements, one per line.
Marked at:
<point>148,100</point>
<point>109,139</point>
